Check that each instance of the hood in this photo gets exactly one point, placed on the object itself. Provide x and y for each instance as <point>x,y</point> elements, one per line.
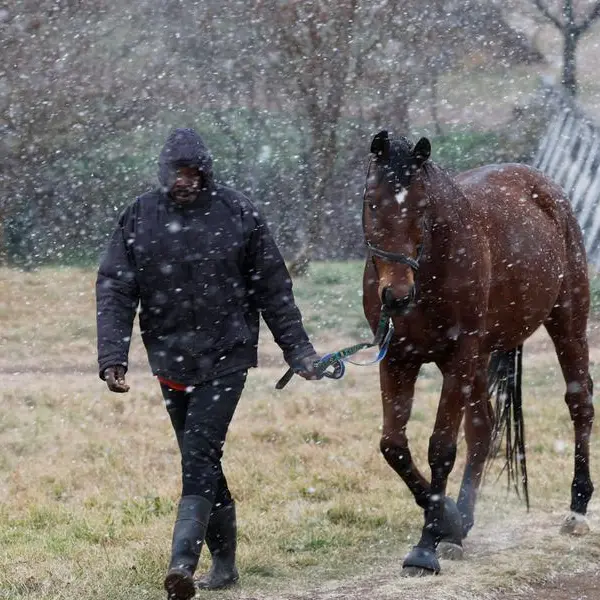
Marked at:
<point>184,147</point>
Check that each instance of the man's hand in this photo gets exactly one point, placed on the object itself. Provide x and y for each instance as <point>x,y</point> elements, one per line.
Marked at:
<point>115,379</point>
<point>305,367</point>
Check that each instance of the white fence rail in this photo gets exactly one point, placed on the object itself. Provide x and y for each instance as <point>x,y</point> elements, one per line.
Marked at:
<point>569,153</point>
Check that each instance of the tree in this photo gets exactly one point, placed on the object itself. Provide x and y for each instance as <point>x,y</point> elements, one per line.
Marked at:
<point>65,83</point>
<point>341,60</point>
<point>572,28</point>
<point>313,58</point>
<point>287,92</point>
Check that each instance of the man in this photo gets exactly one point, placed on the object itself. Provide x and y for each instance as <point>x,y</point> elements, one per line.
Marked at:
<point>202,265</point>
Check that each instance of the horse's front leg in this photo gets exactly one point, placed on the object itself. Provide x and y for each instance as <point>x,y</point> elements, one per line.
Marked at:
<point>458,374</point>
<point>397,380</point>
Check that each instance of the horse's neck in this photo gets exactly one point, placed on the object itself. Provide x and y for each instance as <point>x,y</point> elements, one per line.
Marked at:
<point>448,215</point>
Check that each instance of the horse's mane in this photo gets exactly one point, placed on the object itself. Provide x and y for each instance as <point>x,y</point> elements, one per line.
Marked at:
<point>445,197</point>
<point>440,184</point>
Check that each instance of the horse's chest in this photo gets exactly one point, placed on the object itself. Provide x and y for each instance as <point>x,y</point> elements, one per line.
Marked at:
<point>424,336</point>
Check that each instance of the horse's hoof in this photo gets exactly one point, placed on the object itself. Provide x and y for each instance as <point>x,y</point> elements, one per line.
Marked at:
<point>452,524</point>
<point>419,562</point>
<point>575,524</point>
<point>449,551</point>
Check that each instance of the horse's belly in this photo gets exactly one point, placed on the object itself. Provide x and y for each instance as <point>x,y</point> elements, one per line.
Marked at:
<point>523,290</point>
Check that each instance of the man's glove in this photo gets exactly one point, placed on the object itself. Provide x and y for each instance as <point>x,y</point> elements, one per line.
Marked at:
<point>305,367</point>
<point>115,379</point>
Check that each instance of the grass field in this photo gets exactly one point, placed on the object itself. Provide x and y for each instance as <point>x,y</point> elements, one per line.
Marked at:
<point>89,480</point>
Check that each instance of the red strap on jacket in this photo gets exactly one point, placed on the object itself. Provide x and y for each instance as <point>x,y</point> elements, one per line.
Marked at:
<point>178,387</point>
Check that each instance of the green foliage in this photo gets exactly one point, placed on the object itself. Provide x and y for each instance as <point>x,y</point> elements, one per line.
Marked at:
<point>464,150</point>
<point>595,294</point>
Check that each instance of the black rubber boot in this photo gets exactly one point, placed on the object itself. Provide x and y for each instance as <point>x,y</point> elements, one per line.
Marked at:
<point>188,535</point>
<point>221,539</point>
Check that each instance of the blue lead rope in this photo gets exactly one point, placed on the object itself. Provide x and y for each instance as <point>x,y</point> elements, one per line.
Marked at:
<point>333,366</point>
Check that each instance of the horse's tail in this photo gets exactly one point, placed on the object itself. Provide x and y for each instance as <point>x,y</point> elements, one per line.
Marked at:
<point>504,381</point>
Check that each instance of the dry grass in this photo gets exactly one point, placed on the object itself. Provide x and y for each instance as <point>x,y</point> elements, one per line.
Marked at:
<point>89,479</point>
<point>47,319</point>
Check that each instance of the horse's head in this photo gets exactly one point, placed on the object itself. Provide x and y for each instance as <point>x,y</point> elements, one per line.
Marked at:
<point>392,216</point>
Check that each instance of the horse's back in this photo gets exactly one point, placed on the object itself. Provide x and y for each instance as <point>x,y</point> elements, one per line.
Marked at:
<point>509,191</point>
<point>523,212</point>
<point>533,241</point>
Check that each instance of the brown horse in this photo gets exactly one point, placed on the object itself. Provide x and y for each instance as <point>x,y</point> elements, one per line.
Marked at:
<point>469,267</point>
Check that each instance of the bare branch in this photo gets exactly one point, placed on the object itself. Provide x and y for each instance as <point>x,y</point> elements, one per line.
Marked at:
<point>585,25</point>
<point>546,12</point>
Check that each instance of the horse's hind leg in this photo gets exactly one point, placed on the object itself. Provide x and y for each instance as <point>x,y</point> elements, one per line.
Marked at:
<point>478,424</point>
<point>567,328</point>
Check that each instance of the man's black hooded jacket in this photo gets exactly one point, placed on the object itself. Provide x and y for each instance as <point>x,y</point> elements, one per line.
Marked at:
<point>201,275</point>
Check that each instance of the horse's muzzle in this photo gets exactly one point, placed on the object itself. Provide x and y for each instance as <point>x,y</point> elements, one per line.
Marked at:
<point>398,306</point>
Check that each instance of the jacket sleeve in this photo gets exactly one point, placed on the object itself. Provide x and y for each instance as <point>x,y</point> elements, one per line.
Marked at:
<point>270,288</point>
<point>117,295</point>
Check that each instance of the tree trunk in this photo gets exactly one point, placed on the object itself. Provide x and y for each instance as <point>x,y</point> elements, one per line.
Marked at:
<point>3,250</point>
<point>401,107</point>
<point>325,144</point>
<point>434,101</point>
<point>569,76</point>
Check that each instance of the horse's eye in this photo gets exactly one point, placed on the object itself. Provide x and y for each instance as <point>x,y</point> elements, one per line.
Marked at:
<point>373,206</point>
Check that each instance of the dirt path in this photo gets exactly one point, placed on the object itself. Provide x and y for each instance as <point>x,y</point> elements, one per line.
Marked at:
<point>379,585</point>
<point>573,587</point>
<point>580,587</point>
<point>543,565</point>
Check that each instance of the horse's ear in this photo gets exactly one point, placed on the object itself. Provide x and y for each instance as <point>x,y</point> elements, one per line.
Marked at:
<point>380,146</point>
<point>422,151</point>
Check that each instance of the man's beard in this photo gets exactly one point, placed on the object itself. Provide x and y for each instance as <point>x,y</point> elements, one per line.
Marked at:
<point>185,195</point>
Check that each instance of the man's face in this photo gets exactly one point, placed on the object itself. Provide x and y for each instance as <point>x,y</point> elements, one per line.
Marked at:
<point>187,185</point>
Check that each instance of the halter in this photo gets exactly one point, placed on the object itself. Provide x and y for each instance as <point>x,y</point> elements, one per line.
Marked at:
<point>413,263</point>
<point>396,257</point>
